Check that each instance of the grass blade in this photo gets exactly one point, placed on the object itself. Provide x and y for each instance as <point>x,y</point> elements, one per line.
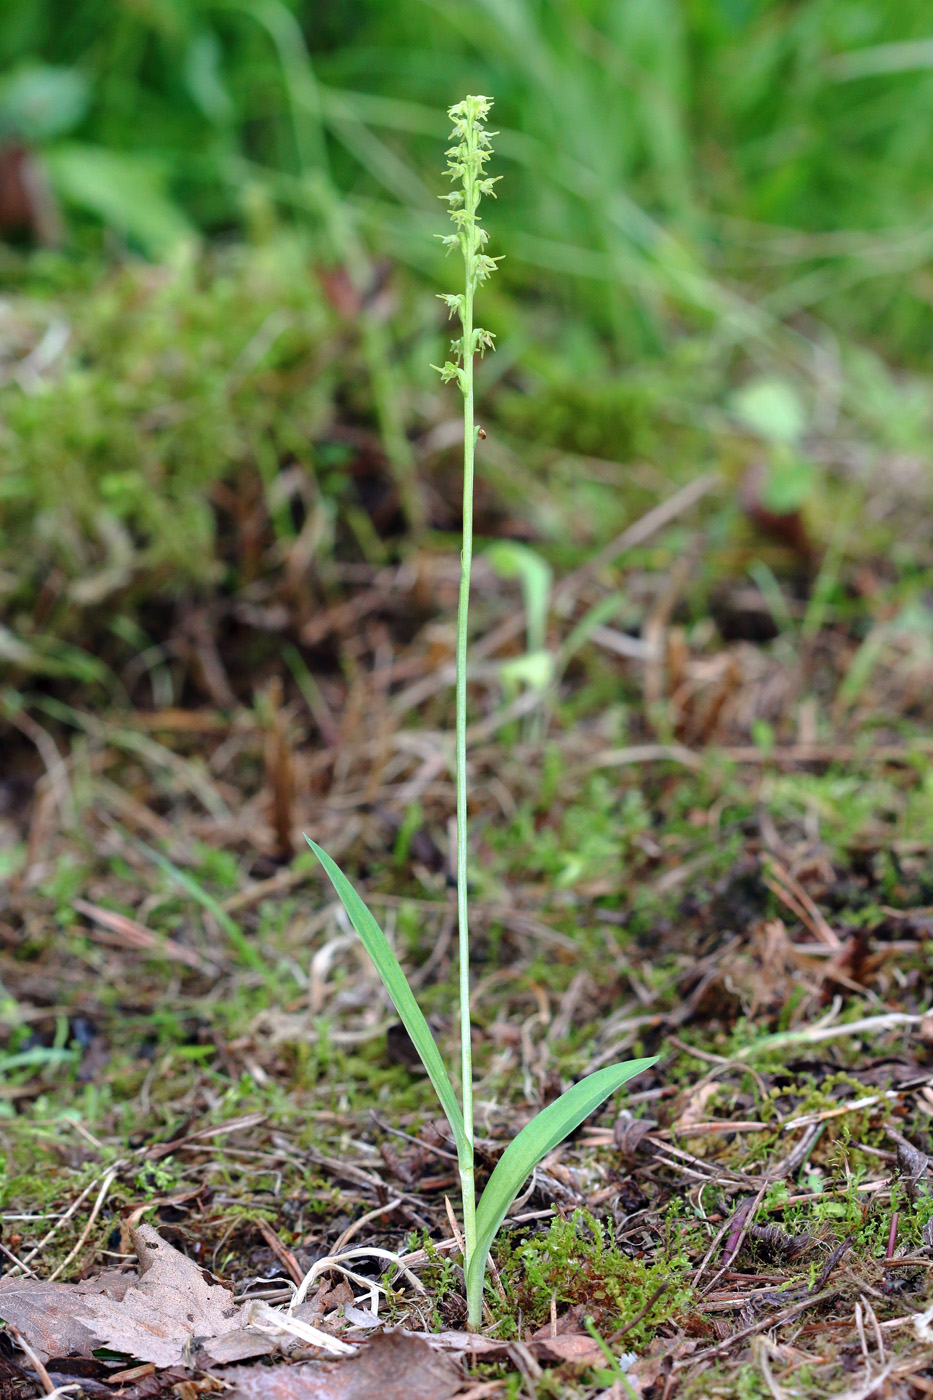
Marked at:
<point>389,969</point>
<point>249,956</point>
<point>525,1151</point>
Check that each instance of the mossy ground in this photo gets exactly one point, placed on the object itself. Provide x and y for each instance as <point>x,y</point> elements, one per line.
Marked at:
<point>713,828</point>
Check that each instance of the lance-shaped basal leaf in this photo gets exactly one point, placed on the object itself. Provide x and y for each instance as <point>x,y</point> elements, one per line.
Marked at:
<point>524,1152</point>
<point>389,969</point>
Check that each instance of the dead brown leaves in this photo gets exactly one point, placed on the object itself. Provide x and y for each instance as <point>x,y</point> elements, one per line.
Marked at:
<point>392,1366</point>
<point>168,1315</point>
<point>49,1315</point>
<point>171,1317</point>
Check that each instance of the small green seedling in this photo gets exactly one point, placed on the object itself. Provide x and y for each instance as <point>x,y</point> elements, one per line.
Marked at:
<point>534,670</point>
<point>466,162</point>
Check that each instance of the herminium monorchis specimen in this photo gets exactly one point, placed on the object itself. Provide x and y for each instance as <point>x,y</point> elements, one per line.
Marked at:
<point>466,162</point>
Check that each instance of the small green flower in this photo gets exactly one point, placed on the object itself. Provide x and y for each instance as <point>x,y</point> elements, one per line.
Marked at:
<point>450,371</point>
<point>453,299</point>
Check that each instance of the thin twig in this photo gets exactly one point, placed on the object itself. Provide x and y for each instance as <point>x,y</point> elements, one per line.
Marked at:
<point>44,1378</point>
<point>50,1234</point>
<point>890,1021</point>
<point>773,1321</point>
<point>638,533</point>
<point>95,1211</point>
<point>357,1225</point>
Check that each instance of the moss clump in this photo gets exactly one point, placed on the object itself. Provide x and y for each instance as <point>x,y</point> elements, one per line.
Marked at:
<point>173,403</point>
<point>577,1263</point>
<point>602,417</point>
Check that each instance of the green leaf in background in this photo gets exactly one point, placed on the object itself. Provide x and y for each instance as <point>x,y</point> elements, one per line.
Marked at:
<point>49,656</point>
<point>37,1055</point>
<point>38,102</point>
<point>772,408</point>
<point>789,483</point>
<point>394,980</point>
<point>511,560</point>
<point>127,192</point>
<point>525,1151</point>
<point>249,956</point>
<point>535,669</point>
<point>203,71</point>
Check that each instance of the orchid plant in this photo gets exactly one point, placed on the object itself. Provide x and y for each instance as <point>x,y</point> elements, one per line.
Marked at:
<point>466,166</point>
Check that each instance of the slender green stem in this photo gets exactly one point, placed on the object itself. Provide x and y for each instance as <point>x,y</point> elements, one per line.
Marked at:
<point>472,237</point>
<point>465,165</point>
<point>466,558</point>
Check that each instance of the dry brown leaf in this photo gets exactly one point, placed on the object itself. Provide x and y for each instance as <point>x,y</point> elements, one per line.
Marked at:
<point>329,1297</point>
<point>165,1315</point>
<point>191,1389</point>
<point>578,1348</point>
<point>568,1321</point>
<point>628,1133</point>
<point>392,1366</point>
<point>619,1392</point>
<point>50,1315</point>
<point>158,1385</point>
<point>656,1361</point>
<point>692,1107</point>
<point>169,1308</point>
<point>469,1342</point>
<point>242,1344</point>
<point>914,1168</point>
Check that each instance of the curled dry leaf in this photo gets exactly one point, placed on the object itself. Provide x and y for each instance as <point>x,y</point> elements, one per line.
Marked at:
<point>51,1316</point>
<point>628,1133</point>
<point>692,1108</point>
<point>578,1349</point>
<point>393,1366</point>
<point>568,1321</point>
<point>172,1305</point>
<point>914,1168</point>
<point>166,1315</point>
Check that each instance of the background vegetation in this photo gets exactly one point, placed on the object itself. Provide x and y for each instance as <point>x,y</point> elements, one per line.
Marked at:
<point>740,162</point>
<point>697,198</point>
<point>229,487</point>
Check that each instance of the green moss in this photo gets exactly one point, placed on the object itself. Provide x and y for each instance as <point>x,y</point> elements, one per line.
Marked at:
<point>172,383</point>
<point>595,417</point>
<point>576,1263</point>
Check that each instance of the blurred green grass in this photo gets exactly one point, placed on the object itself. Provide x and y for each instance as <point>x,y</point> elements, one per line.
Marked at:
<point>728,164</point>
<point>715,217</point>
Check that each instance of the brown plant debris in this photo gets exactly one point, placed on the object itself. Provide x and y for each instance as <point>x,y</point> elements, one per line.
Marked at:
<point>167,1314</point>
<point>391,1366</point>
